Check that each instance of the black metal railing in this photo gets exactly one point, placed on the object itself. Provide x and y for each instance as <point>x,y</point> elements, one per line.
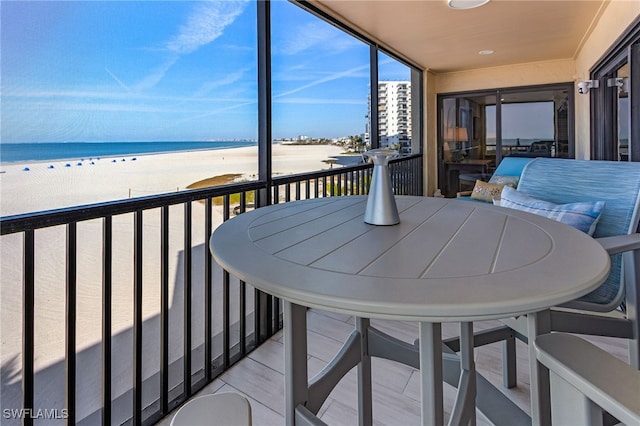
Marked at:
<point>228,328</point>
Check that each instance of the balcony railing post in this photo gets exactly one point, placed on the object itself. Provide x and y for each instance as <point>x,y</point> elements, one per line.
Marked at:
<point>70,322</point>
<point>28,300</point>
<point>164,310</point>
<point>208,301</point>
<point>137,318</point>
<point>243,318</point>
<point>226,314</point>
<point>187,299</point>
<point>107,262</point>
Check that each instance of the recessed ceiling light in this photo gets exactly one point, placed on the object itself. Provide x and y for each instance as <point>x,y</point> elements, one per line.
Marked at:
<point>466,4</point>
<point>487,52</point>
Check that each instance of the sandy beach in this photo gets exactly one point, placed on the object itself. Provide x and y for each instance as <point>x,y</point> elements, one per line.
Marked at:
<point>114,178</point>
<point>43,188</point>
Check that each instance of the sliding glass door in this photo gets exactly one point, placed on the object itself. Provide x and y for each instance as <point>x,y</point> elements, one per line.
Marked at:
<point>534,124</point>
<point>477,130</point>
<point>615,104</point>
<point>621,140</point>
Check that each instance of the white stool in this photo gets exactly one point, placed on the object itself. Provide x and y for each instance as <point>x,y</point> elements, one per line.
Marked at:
<point>223,409</point>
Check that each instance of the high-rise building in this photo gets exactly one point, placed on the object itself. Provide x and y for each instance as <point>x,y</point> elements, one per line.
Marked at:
<point>394,115</point>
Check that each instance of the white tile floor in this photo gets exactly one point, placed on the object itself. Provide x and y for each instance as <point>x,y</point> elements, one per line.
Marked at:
<point>396,390</point>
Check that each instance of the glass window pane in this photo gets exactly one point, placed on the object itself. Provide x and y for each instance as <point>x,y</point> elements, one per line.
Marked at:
<point>477,130</point>
<point>102,83</point>
<point>535,124</point>
<point>89,90</point>
<point>467,143</point>
<point>615,132</point>
<point>394,104</point>
<point>622,147</point>
<point>527,127</point>
<point>320,85</point>
<point>490,128</point>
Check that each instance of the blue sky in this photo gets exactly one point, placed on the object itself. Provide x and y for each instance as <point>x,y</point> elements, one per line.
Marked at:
<point>175,70</point>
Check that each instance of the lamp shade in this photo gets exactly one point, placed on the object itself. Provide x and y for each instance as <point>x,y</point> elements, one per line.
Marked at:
<point>456,134</point>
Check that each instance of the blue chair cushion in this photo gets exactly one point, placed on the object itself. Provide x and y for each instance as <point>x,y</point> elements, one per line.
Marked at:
<point>511,166</point>
<point>569,181</point>
<point>583,216</point>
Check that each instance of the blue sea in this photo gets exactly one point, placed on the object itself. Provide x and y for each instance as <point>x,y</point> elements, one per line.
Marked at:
<point>43,151</point>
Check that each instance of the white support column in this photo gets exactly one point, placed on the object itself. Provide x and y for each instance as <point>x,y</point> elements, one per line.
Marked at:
<point>570,407</point>
<point>295,359</point>
<point>365,408</point>
<point>431,373</point>
<point>538,324</point>
<point>464,409</point>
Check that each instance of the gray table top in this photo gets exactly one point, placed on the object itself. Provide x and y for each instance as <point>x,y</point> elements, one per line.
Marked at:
<point>447,260</point>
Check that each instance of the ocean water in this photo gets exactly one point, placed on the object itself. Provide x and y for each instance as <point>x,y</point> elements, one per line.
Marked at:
<point>22,152</point>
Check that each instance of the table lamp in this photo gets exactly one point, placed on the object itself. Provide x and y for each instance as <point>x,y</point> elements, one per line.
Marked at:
<point>456,134</point>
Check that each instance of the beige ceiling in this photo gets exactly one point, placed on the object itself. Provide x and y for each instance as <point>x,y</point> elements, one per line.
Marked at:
<point>441,39</point>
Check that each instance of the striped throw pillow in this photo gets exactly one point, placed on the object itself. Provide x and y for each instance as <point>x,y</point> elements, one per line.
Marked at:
<point>583,216</point>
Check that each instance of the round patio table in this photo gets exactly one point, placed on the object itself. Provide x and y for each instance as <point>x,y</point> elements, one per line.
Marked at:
<point>446,261</point>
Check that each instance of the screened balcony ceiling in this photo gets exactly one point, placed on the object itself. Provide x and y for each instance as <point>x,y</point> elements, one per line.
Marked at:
<point>441,39</point>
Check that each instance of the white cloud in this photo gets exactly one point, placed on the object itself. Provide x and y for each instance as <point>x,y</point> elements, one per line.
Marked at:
<point>124,86</point>
<point>305,37</point>
<point>228,79</point>
<point>314,34</point>
<point>318,101</point>
<point>156,75</point>
<point>304,73</point>
<point>101,96</point>
<point>198,110</point>
<point>214,112</point>
<point>205,24</point>
<point>330,77</point>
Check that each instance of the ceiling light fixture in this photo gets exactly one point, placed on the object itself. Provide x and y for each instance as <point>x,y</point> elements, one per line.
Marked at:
<point>486,52</point>
<point>466,4</point>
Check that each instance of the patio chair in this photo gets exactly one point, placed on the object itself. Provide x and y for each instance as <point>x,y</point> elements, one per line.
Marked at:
<point>612,309</point>
<point>223,409</point>
<point>543,148</point>
<point>508,167</point>
<point>586,382</point>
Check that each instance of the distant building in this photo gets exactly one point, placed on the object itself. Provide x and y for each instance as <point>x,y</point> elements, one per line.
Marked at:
<point>394,115</point>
